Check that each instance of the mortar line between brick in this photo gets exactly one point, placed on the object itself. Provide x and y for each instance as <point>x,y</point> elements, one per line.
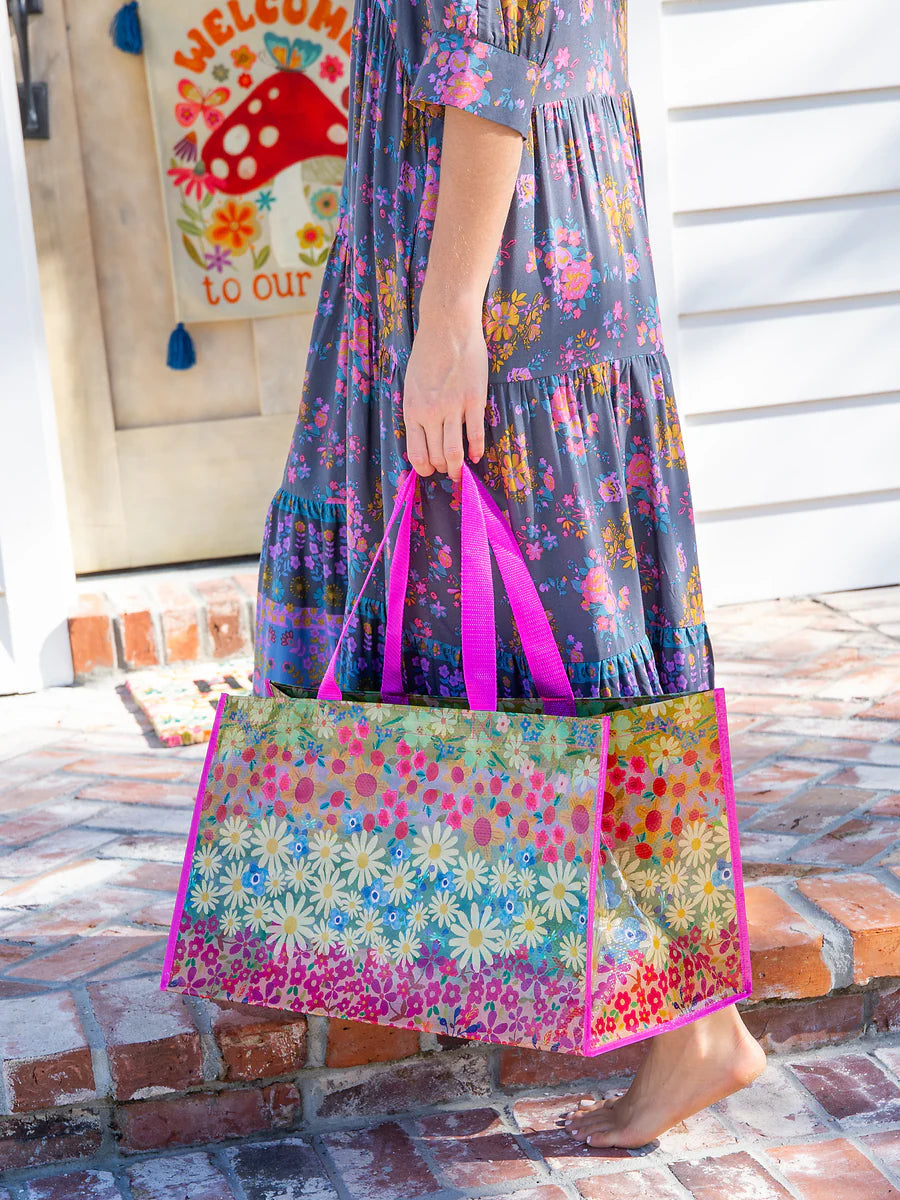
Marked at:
<point>769,1164</point>
<point>213,1063</point>
<point>220,1158</point>
<point>95,1039</point>
<point>118,633</point>
<point>837,943</point>
<point>317,1028</point>
<point>751,823</point>
<point>421,1147</point>
<point>675,1183</point>
<point>875,1159</point>
<point>329,1166</point>
<point>865,626</point>
<point>546,1174</point>
<point>159,634</point>
<point>862,810</point>
<point>665,1166</point>
<point>123,1183</point>
<point>882,872</point>
<point>205,645</point>
<point>829,735</point>
<point>47,985</point>
<point>771,760</point>
<point>891,1072</point>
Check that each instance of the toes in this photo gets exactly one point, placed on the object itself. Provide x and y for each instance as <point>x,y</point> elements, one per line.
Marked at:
<point>576,1115</point>
<point>597,1121</point>
<point>601,1138</point>
<point>610,1141</point>
<point>611,1136</point>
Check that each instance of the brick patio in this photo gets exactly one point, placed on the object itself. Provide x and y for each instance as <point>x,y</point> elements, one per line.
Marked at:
<point>112,1089</point>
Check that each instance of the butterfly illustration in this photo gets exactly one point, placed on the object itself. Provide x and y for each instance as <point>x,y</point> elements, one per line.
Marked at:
<point>197,102</point>
<point>288,55</point>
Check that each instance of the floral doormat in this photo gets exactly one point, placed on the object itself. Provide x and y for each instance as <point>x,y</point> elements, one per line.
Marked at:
<point>180,701</point>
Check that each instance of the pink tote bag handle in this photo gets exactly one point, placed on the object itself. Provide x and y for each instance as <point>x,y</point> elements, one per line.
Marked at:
<point>539,644</point>
<point>328,688</point>
<point>483,527</point>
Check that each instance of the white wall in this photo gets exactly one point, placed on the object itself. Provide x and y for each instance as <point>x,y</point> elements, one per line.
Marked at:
<point>775,126</point>
<point>37,579</point>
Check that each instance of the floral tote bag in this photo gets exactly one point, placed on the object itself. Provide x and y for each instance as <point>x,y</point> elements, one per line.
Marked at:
<point>559,874</point>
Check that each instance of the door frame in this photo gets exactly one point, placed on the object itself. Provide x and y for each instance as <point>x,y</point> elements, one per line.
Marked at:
<point>37,575</point>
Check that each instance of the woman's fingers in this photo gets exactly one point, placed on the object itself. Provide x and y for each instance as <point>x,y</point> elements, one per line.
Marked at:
<point>432,447</point>
<point>434,438</point>
<point>453,446</point>
<point>417,449</point>
<point>436,444</point>
<point>475,432</point>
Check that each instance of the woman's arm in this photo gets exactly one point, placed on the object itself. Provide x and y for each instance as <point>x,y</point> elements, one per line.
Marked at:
<point>447,373</point>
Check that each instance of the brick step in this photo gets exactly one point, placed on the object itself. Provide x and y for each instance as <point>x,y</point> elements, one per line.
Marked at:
<point>117,1061</point>
<point>146,618</point>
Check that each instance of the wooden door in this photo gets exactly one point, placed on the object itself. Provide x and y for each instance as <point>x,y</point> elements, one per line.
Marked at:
<point>161,466</point>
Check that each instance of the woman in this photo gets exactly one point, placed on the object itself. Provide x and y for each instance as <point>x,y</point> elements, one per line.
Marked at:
<point>494,142</point>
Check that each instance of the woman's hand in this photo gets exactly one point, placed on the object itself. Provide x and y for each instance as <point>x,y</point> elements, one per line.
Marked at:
<point>445,389</point>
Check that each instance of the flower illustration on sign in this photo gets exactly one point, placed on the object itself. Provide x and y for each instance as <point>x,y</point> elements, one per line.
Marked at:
<point>265,181</point>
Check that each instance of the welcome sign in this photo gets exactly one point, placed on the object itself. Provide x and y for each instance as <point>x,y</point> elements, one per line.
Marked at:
<point>249,103</point>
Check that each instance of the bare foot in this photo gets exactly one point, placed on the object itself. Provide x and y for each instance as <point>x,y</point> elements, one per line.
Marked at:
<point>685,1070</point>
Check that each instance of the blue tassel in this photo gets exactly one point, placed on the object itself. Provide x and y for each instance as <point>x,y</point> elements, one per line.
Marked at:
<point>181,349</point>
<point>125,29</point>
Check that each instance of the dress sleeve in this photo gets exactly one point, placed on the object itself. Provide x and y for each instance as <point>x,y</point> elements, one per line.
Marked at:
<point>475,59</point>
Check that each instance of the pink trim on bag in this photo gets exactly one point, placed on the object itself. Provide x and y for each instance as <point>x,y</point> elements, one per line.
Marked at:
<point>728,778</point>
<point>397,584</point>
<point>675,1023</point>
<point>328,688</point>
<point>592,888</point>
<point>189,850</point>
<point>538,642</point>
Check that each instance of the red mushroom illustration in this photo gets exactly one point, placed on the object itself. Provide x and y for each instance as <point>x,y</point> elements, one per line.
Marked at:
<point>286,120</point>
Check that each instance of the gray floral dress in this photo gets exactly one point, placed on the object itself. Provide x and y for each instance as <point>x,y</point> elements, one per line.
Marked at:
<point>584,446</point>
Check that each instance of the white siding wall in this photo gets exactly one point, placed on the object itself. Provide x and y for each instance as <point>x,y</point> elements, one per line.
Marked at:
<point>774,130</point>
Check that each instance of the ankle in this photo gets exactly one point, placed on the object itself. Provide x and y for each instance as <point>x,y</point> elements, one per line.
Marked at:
<point>707,1037</point>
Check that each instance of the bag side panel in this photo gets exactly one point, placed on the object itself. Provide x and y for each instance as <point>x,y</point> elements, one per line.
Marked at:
<point>189,848</point>
<point>596,846</point>
<point>740,901</point>
<point>672,939</point>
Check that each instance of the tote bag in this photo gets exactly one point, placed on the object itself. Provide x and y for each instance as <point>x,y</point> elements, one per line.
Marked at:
<point>550,873</point>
